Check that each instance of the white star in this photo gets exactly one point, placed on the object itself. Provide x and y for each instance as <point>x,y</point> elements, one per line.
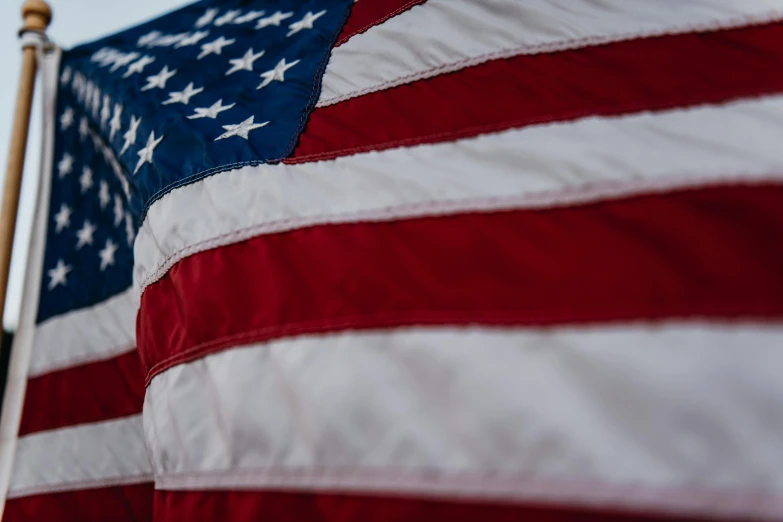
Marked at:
<point>118,211</point>
<point>107,254</point>
<point>169,39</point>
<point>278,73</point>
<point>124,184</point>
<point>64,166</point>
<point>105,56</point>
<point>148,38</point>
<point>214,47</point>
<point>96,140</point>
<point>105,110</point>
<point>84,127</point>
<point>66,119</point>
<point>245,63</point>
<point>91,92</point>
<point>305,23</point>
<point>183,96</point>
<point>78,85</point>
<point>130,134</point>
<point>249,17</point>
<point>81,92</point>
<point>275,19</point>
<point>120,175</point>
<point>145,154</point>
<point>103,194</point>
<point>101,54</point>
<point>192,39</point>
<point>96,102</point>
<point>115,124</point>
<point>139,65</point>
<point>63,218</point>
<point>210,112</point>
<point>116,167</point>
<point>227,18</point>
<point>129,231</point>
<point>108,154</point>
<point>109,57</point>
<point>85,180</point>
<point>88,93</point>
<point>84,234</point>
<point>241,129</point>
<point>58,274</point>
<point>159,80</point>
<point>207,17</point>
<point>66,76</point>
<point>122,60</point>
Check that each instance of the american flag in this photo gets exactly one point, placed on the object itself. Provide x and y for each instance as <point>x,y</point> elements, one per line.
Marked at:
<point>405,260</point>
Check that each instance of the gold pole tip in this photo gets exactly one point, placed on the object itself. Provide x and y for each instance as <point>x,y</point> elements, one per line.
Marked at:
<point>36,14</point>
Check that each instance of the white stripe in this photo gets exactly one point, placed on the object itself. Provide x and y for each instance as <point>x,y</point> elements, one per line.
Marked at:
<point>86,456</point>
<point>90,334</point>
<point>535,166</point>
<point>21,354</point>
<point>441,36</point>
<point>613,414</point>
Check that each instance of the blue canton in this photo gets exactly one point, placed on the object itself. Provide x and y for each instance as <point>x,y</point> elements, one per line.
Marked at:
<point>213,86</point>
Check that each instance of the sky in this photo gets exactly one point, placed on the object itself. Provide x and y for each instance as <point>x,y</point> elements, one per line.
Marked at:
<point>73,22</point>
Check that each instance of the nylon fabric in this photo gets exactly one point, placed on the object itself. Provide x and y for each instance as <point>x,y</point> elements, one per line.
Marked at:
<point>534,167</point>
<point>459,412</point>
<point>429,40</point>
<point>91,334</point>
<point>677,71</point>
<point>81,456</point>
<point>116,389</point>
<point>708,253</point>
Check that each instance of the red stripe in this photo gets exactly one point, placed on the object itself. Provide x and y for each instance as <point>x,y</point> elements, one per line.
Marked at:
<point>115,389</point>
<point>132,503</point>
<point>367,14</point>
<point>624,77</point>
<point>711,252</point>
<point>241,506</point>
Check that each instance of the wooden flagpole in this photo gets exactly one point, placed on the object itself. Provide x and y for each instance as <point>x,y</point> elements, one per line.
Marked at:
<point>36,15</point>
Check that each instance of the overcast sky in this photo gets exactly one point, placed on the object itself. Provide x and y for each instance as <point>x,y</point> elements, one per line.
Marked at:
<point>74,22</point>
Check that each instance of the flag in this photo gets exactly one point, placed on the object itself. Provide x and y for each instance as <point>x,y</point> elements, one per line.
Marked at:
<point>411,260</point>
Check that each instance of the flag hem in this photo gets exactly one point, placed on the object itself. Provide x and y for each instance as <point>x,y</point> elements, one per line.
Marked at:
<point>49,64</point>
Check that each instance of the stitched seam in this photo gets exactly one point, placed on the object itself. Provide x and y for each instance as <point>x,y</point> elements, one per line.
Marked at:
<point>429,482</point>
<point>379,21</point>
<point>609,110</point>
<point>562,45</point>
<point>85,359</point>
<point>411,142</point>
<point>81,484</point>
<point>315,91</point>
<point>384,320</point>
<point>427,473</point>
<point>571,195</point>
<point>293,329</point>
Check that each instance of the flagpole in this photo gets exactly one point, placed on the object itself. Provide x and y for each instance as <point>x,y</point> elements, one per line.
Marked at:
<point>36,15</point>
